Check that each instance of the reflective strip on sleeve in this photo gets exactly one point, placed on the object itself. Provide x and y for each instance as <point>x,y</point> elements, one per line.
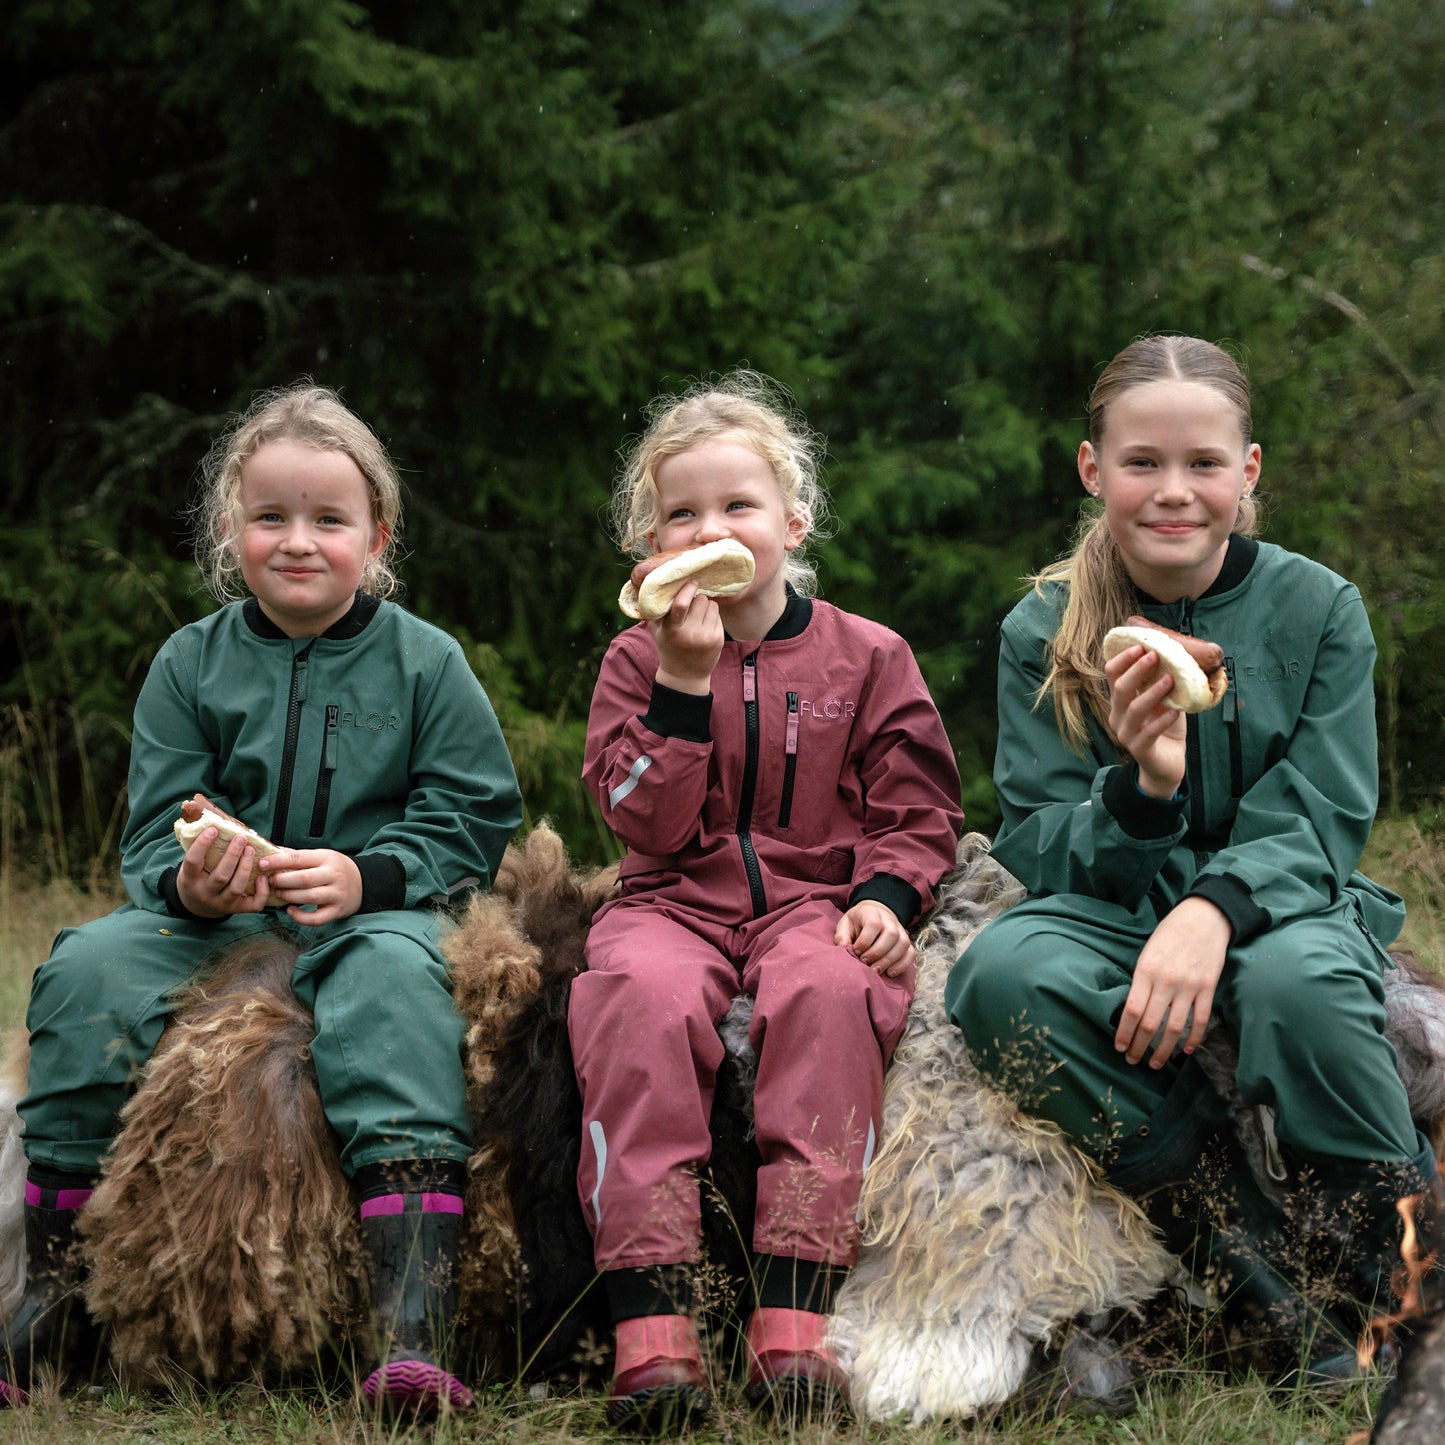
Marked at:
<point>634,773</point>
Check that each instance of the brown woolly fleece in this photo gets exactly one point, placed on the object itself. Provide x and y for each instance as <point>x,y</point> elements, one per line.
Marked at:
<point>223,1236</point>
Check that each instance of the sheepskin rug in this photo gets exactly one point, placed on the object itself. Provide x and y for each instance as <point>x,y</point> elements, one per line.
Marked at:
<point>12,1172</point>
<point>986,1232</point>
<point>223,1238</point>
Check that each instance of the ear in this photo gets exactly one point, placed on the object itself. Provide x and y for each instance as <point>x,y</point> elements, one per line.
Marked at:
<point>800,523</point>
<point>1252,460</point>
<point>380,536</point>
<point>1089,468</point>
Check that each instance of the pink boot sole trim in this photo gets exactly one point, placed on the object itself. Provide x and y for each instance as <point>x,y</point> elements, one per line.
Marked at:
<point>11,1394</point>
<point>415,1385</point>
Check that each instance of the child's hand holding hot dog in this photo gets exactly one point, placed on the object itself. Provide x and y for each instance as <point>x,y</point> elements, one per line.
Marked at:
<point>229,868</point>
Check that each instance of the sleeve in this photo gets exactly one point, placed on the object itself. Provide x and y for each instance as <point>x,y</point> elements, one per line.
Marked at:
<point>647,755</point>
<point>1071,823</point>
<point>170,759</point>
<point>912,808</point>
<point>463,804</point>
<point>1301,828</point>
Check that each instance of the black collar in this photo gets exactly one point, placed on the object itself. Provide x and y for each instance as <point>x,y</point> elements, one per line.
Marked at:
<point>1237,562</point>
<point>353,624</point>
<point>797,614</point>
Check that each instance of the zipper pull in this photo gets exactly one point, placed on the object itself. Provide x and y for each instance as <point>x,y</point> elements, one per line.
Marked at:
<point>302,659</point>
<point>750,678</point>
<point>333,717</point>
<point>792,743</point>
<point>1231,697</point>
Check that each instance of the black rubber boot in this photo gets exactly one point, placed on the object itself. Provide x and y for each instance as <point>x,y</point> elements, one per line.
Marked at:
<point>413,1242</point>
<point>1348,1218</point>
<point>1300,1341</point>
<point>1355,1228</point>
<point>1228,1234</point>
<point>51,1325</point>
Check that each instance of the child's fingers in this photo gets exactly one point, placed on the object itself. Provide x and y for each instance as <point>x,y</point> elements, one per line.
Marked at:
<point>898,959</point>
<point>312,917</point>
<point>1199,1022</point>
<point>200,845</point>
<point>232,873</point>
<point>682,603</point>
<point>1165,1038</point>
<point>1137,1023</point>
<point>1122,663</point>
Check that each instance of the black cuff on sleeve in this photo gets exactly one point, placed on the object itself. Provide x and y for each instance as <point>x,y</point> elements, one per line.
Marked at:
<point>172,897</point>
<point>383,882</point>
<point>685,715</point>
<point>892,892</point>
<point>1139,815</point>
<point>1230,896</point>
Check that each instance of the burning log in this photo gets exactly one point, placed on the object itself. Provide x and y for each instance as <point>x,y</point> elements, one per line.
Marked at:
<point>1412,1411</point>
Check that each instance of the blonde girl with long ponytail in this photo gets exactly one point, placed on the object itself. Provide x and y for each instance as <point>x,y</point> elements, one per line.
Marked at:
<point>1188,870</point>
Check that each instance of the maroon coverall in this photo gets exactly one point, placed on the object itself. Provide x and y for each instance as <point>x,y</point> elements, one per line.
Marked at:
<point>817,774</point>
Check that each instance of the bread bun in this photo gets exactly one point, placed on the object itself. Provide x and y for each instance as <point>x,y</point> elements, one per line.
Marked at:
<point>1194,690</point>
<point>187,830</point>
<point>720,569</point>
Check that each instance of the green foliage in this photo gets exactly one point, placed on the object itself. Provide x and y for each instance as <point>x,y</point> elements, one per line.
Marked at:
<point>501,228</point>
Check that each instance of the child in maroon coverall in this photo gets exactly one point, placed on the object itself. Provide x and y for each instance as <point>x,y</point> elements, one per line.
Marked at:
<point>789,801</point>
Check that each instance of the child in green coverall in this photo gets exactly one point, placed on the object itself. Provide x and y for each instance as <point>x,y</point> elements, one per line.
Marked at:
<point>1187,868</point>
<point>357,738</point>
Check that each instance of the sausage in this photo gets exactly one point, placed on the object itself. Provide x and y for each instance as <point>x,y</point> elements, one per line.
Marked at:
<point>1209,655</point>
<point>652,563</point>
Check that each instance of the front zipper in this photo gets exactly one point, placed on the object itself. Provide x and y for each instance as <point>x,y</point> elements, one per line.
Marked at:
<point>1193,762</point>
<point>790,762</point>
<point>327,771</point>
<point>1380,951</point>
<point>288,748</point>
<point>750,780</point>
<point>1231,727</point>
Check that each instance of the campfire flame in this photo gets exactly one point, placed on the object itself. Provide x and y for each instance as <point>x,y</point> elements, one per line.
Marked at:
<point>1408,1283</point>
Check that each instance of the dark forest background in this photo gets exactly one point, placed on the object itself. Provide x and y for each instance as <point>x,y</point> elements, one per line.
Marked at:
<point>501,228</point>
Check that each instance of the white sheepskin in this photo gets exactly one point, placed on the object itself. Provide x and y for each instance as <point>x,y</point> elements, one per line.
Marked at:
<point>985,1231</point>
<point>12,1175</point>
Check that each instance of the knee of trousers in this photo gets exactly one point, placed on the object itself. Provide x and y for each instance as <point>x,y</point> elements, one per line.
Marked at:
<point>382,984</point>
<point>100,1004</point>
<point>829,992</point>
<point>625,1019</point>
<point>1298,1006</point>
<point>999,987</point>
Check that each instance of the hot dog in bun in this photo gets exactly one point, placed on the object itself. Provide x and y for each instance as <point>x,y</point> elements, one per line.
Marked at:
<point>197,815</point>
<point>1197,667</point>
<point>720,569</point>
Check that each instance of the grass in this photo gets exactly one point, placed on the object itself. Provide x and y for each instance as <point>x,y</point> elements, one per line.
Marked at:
<point>1187,1405</point>
<point>1408,854</point>
<point>1192,1408</point>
